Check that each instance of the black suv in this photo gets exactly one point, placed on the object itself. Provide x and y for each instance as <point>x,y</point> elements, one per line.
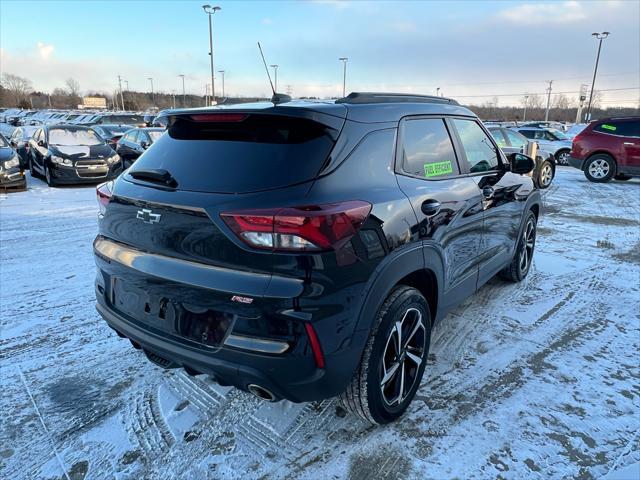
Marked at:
<point>304,250</point>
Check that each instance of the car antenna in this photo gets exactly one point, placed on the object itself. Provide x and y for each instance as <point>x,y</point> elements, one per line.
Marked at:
<point>277,97</point>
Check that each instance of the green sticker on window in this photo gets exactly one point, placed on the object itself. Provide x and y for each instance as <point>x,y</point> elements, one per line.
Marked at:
<point>438,168</point>
<point>608,127</point>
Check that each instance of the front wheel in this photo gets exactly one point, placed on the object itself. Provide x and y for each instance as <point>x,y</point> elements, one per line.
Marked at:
<point>600,168</point>
<point>394,358</point>
<point>47,176</point>
<point>545,176</point>
<point>562,157</point>
<point>521,262</point>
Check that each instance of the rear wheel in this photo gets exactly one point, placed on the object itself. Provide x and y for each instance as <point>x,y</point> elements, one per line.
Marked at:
<point>521,263</point>
<point>562,157</point>
<point>394,358</point>
<point>545,176</point>
<point>599,168</point>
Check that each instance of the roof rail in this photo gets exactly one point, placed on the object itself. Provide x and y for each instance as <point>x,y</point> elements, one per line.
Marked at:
<point>372,97</point>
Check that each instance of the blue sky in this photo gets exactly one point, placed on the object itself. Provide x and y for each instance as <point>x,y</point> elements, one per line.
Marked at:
<point>468,49</point>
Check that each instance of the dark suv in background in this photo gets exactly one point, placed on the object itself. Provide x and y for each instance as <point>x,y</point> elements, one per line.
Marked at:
<point>608,148</point>
<point>304,250</point>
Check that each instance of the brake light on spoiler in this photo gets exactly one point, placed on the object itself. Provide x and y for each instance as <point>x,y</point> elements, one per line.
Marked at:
<point>298,229</point>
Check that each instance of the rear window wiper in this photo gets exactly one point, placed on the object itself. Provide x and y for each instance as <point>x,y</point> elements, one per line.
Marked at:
<point>156,175</point>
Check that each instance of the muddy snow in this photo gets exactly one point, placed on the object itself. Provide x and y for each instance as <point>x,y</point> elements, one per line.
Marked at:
<point>535,380</point>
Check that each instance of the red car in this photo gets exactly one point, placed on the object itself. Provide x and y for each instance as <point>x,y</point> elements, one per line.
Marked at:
<point>608,148</point>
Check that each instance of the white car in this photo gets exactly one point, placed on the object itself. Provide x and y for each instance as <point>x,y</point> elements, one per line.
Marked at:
<point>551,140</point>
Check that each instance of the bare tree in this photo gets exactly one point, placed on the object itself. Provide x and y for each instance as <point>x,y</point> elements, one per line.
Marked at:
<point>597,98</point>
<point>17,88</point>
<point>73,87</point>
<point>561,102</point>
<point>535,101</point>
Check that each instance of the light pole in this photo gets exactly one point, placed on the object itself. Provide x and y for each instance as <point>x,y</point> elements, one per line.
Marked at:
<point>437,91</point>
<point>524,115</point>
<point>221,72</point>
<point>546,113</point>
<point>153,97</point>
<point>184,97</point>
<point>209,10</point>
<point>275,75</point>
<point>344,61</point>
<point>600,37</point>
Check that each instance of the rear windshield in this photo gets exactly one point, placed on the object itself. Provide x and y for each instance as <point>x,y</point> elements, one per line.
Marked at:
<point>126,119</point>
<point>259,152</point>
<point>155,134</point>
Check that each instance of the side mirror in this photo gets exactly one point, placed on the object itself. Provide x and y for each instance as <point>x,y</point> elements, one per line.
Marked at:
<point>521,163</point>
<point>144,145</point>
<point>13,143</point>
<point>42,143</point>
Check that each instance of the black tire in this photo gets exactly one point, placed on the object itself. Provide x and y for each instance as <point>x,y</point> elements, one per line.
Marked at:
<point>562,156</point>
<point>545,174</point>
<point>622,177</point>
<point>366,396</point>
<point>521,262</point>
<point>48,178</point>
<point>599,168</point>
<point>34,174</point>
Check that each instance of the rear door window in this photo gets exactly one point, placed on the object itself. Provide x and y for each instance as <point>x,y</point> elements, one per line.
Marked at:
<point>624,128</point>
<point>528,133</point>
<point>427,150</point>
<point>515,139</point>
<point>239,153</point>
<point>480,152</point>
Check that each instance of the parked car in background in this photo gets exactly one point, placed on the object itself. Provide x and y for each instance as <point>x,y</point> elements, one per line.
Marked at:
<point>111,133</point>
<point>221,252</point>
<point>134,142</point>
<point>549,139</point>
<point>513,142</point>
<point>118,118</point>
<point>11,175</point>
<point>72,154</point>
<point>19,140</point>
<point>574,130</point>
<point>608,148</point>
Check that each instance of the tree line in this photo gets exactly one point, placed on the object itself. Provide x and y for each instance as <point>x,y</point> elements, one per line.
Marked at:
<point>16,91</point>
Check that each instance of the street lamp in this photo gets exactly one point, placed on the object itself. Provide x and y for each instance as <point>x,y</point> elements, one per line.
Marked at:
<point>344,61</point>
<point>524,115</point>
<point>184,97</point>
<point>275,75</point>
<point>209,10</point>
<point>153,97</point>
<point>600,37</point>
<point>221,72</point>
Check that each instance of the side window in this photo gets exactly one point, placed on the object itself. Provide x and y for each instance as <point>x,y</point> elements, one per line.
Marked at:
<point>143,137</point>
<point>624,129</point>
<point>16,135</point>
<point>481,154</point>
<point>528,133</point>
<point>427,150</point>
<point>496,133</point>
<point>515,139</point>
<point>131,136</point>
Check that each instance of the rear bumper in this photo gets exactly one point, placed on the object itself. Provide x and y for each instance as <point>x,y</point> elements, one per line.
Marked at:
<point>292,375</point>
<point>576,162</point>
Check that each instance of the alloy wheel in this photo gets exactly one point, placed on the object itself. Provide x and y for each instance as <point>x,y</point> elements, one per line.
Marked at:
<point>599,168</point>
<point>403,355</point>
<point>528,243</point>
<point>563,158</point>
<point>47,175</point>
<point>546,175</point>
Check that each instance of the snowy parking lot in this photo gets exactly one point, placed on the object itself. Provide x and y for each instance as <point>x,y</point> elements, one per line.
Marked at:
<point>533,380</point>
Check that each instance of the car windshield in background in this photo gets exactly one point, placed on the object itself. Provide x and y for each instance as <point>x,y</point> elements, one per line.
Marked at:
<point>116,130</point>
<point>126,119</point>
<point>155,134</point>
<point>558,134</point>
<point>59,136</point>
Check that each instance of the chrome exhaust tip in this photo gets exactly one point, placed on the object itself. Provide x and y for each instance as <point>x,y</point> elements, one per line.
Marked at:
<point>261,392</point>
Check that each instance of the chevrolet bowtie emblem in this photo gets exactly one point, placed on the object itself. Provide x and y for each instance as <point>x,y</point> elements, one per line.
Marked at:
<point>147,216</point>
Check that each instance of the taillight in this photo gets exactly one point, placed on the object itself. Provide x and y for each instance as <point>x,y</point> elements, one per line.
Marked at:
<point>219,117</point>
<point>296,229</point>
<point>104,191</point>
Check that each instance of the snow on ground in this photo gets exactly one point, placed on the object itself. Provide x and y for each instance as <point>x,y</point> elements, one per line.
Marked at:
<point>535,380</point>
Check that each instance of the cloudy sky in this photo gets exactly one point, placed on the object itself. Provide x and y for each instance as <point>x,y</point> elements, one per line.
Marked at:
<point>472,50</point>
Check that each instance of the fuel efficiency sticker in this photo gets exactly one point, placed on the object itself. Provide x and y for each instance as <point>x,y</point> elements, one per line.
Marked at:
<point>438,168</point>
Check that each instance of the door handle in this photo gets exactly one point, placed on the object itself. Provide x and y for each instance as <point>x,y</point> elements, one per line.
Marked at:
<point>430,207</point>
<point>488,192</point>
<point>628,143</point>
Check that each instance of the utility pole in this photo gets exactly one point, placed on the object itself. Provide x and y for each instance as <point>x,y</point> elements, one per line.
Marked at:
<point>581,98</point>
<point>209,10</point>
<point>121,96</point>
<point>221,72</point>
<point>546,113</point>
<point>153,97</point>
<point>275,74</point>
<point>526,101</point>
<point>438,92</point>
<point>173,96</point>
<point>344,61</point>
<point>600,37</point>
<point>184,97</point>
<point>206,94</point>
